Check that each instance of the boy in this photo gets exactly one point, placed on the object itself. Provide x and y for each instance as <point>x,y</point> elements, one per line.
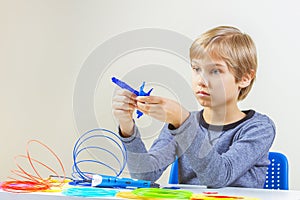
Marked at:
<point>218,146</point>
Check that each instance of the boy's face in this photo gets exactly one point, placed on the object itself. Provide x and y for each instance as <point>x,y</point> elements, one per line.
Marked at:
<point>213,84</point>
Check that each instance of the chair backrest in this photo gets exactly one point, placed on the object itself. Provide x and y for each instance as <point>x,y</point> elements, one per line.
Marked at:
<point>173,178</point>
<point>276,177</point>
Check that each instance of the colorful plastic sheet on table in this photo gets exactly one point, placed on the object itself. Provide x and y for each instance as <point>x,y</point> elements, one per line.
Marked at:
<point>155,194</point>
<point>168,194</point>
<point>89,192</point>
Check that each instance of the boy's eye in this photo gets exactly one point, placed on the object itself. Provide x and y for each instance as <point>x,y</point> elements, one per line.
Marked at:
<point>215,71</point>
<point>196,69</point>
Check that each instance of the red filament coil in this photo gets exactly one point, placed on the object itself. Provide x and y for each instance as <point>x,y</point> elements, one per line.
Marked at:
<point>34,182</point>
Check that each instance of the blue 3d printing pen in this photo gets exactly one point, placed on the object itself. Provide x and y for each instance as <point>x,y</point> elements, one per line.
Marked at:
<point>111,181</point>
<point>124,85</point>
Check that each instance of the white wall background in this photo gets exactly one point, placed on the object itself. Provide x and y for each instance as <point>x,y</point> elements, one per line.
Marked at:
<point>44,43</point>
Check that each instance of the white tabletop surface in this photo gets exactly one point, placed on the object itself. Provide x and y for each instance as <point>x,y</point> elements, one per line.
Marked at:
<point>262,194</point>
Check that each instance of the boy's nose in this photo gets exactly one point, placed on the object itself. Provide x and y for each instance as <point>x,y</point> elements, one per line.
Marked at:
<point>202,80</point>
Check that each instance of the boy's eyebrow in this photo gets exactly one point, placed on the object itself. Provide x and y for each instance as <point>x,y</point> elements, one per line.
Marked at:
<point>213,64</point>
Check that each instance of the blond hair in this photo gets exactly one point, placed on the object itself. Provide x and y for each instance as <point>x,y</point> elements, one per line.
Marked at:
<point>235,48</point>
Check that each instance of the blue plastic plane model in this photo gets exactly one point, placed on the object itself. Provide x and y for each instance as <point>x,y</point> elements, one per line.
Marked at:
<point>124,85</point>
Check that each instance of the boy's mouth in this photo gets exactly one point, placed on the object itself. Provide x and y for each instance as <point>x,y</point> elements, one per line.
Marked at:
<point>202,93</point>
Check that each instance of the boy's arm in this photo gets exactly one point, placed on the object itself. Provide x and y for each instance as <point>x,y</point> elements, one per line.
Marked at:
<point>149,165</point>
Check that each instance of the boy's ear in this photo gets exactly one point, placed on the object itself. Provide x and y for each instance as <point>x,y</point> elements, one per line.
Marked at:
<point>246,79</point>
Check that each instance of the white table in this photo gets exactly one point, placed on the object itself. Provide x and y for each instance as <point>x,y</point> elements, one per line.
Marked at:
<point>262,194</point>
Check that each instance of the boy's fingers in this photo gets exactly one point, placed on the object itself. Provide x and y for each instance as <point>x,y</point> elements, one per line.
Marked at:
<point>123,92</point>
<point>143,107</point>
<point>124,100</point>
<point>149,99</point>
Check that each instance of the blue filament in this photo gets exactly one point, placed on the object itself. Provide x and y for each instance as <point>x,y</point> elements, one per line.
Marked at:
<point>79,148</point>
<point>89,192</point>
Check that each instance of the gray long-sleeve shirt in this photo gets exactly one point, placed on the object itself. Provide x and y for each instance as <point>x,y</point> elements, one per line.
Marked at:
<point>216,156</point>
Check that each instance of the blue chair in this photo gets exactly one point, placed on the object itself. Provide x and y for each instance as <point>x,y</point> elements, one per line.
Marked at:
<point>276,177</point>
<point>173,178</point>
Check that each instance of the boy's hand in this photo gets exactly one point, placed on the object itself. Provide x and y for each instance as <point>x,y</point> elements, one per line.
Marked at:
<point>162,109</point>
<point>124,104</point>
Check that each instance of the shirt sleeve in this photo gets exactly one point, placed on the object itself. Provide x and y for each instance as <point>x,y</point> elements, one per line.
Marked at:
<point>149,165</point>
